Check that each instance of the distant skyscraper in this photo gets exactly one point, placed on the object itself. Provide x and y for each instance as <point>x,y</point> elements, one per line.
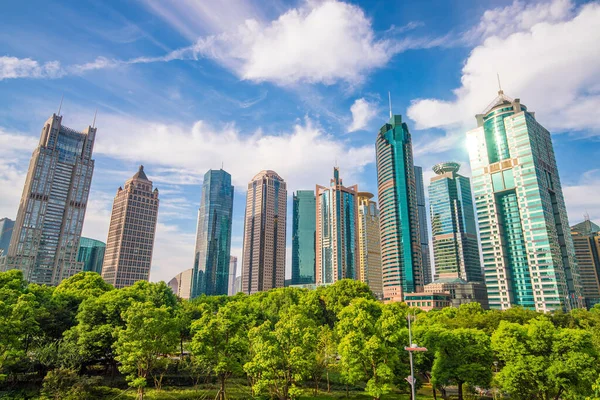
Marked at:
<point>586,238</point>
<point>181,284</point>
<point>91,254</point>
<point>528,252</point>
<point>369,245</point>
<point>337,231</point>
<point>423,226</point>
<point>213,236</point>
<point>46,234</point>
<point>303,237</point>
<point>263,260</point>
<point>231,289</point>
<point>399,221</point>
<point>131,232</point>
<point>6,228</point>
<point>455,247</point>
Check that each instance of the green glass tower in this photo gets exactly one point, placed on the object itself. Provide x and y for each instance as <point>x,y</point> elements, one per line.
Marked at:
<point>91,254</point>
<point>401,262</point>
<point>455,247</point>
<point>303,237</point>
<point>527,248</point>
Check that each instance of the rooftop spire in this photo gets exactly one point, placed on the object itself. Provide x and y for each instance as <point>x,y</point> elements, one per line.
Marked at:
<point>390,100</point>
<point>94,123</point>
<point>500,91</point>
<point>60,106</point>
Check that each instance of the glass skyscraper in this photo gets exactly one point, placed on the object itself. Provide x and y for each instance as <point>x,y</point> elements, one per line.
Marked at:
<point>398,212</point>
<point>6,228</point>
<point>369,245</point>
<point>455,247</point>
<point>586,238</point>
<point>423,231</point>
<point>213,236</point>
<point>303,237</point>
<point>527,248</point>
<point>47,230</point>
<point>91,254</point>
<point>337,231</point>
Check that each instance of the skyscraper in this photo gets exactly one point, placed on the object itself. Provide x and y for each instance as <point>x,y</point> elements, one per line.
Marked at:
<point>263,259</point>
<point>586,238</point>
<point>181,284</point>
<point>91,254</point>
<point>131,232</point>
<point>528,252</point>
<point>46,234</point>
<point>303,237</point>
<point>423,226</point>
<point>231,289</point>
<point>6,228</point>
<point>213,236</point>
<point>369,245</point>
<point>455,247</point>
<point>398,212</point>
<point>337,231</point>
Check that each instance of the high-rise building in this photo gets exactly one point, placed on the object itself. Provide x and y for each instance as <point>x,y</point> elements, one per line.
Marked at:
<point>46,234</point>
<point>91,254</point>
<point>527,248</point>
<point>181,284</point>
<point>303,237</point>
<point>263,259</point>
<point>586,238</point>
<point>455,246</point>
<point>369,245</point>
<point>337,254</point>
<point>398,212</point>
<point>6,228</point>
<point>213,236</point>
<point>130,240</point>
<point>423,226</point>
<point>231,289</point>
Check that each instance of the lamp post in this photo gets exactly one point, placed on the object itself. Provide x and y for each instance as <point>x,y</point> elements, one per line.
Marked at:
<point>412,347</point>
<point>495,389</point>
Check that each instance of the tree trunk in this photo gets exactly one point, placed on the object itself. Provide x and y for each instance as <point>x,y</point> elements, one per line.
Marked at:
<point>444,393</point>
<point>140,393</point>
<point>460,391</point>
<point>181,347</point>
<point>434,392</point>
<point>346,390</point>
<point>222,391</point>
<point>328,384</point>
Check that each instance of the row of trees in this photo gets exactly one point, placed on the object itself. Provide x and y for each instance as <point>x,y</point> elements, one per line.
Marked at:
<point>284,342</point>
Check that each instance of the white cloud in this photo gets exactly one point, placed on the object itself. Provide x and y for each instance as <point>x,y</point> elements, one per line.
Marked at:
<point>553,65</point>
<point>13,67</point>
<point>582,197</point>
<point>362,113</point>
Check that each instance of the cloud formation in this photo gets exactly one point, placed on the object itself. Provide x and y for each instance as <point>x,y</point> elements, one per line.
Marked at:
<point>362,113</point>
<point>13,67</point>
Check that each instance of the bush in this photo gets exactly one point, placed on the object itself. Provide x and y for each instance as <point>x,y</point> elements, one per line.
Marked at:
<point>66,384</point>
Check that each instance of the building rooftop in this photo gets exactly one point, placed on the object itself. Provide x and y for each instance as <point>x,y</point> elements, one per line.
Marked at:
<point>140,174</point>
<point>586,227</point>
<point>449,166</point>
<point>268,173</point>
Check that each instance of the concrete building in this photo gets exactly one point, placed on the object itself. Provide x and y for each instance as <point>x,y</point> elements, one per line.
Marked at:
<point>231,288</point>
<point>213,235</point>
<point>528,252</point>
<point>423,226</point>
<point>263,257</point>
<point>428,301</point>
<point>401,257</point>
<point>6,228</point>
<point>460,291</point>
<point>47,230</point>
<point>91,254</point>
<point>181,284</point>
<point>369,245</point>
<point>303,237</point>
<point>337,231</point>
<point>131,232</point>
<point>586,239</point>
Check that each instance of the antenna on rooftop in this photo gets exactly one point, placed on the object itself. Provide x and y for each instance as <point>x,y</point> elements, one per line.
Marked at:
<point>61,100</point>
<point>390,99</point>
<point>94,123</point>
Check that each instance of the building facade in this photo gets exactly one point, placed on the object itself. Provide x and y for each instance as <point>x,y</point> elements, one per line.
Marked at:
<point>130,242</point>
<point>213,235</point>
<point>401,257</point>
<point>455,246</point>
<point>423,226</point>
<point>369,245</point>
<point>6,229</point>
<point>231,288</point>
<point>586,239</point>
<point>337,255</point>
<point>47,230</point>
<point>303,237</point>
<point>527,248</point>
<point>263,258</point>
<point>460,291</point>
<point>181,284</point>
<point>91,254</point>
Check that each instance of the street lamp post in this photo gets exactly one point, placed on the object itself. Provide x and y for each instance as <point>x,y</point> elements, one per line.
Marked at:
<point>495,388</point>
<point>412,347</point>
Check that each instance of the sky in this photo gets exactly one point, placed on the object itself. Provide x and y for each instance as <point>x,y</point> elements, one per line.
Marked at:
<point>184,86</point>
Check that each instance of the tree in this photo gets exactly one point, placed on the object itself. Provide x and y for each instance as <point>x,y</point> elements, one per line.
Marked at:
<point>151,332</point>
<point>326,354</point>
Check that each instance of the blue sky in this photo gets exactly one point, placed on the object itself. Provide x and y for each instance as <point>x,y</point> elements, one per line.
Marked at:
<point>182,86</point>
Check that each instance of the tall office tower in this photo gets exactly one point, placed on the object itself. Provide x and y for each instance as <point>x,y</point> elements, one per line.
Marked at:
<point>131,232</point>
<point>401,257</point>
<point>213,236</point>
<point>46,234</point>
<point>91,254</point>
<point>423,226</point>
<point>181,284</point>
<point>528,252</point>
<point>263,259</point>
<point>232,274</point>
<point>337,231</point>
<point>455,247</point>
<point>303,237</point>
<point>369,245</point>
<point>6,228</point>
<point>586,238</point>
